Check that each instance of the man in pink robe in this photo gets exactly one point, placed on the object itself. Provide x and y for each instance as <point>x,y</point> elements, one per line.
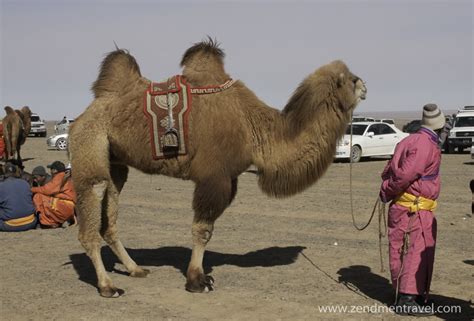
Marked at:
<point>411,182</point>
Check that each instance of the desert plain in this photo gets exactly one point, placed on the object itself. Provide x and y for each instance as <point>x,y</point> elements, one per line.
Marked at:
<point>272,259</point>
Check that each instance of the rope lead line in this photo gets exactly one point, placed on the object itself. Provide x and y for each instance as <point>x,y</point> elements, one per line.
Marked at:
<point>379,206</point>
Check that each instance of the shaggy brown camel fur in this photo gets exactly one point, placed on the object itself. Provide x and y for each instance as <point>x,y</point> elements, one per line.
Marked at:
<point>230,130</point>
<point>16,127</point>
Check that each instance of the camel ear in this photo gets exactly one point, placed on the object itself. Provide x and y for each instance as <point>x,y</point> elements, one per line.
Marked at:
<point>341,80</point>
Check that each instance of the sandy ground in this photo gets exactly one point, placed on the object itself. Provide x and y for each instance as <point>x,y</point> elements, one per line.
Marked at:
<point>272,259</point>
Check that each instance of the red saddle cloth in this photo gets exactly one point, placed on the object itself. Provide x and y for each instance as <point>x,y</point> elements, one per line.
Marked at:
<point>176,93</point>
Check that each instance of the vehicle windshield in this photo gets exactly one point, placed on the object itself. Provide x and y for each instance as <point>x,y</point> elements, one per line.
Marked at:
<point>464,121</point>
<point>35,118</point>
<point>356,129</point>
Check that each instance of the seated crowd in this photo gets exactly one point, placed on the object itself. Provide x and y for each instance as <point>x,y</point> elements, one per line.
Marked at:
<point>40,199</point>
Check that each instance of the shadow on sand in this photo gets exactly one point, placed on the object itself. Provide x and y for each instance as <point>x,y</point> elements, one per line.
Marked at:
<point>178,257</point>
<point>380,289</point>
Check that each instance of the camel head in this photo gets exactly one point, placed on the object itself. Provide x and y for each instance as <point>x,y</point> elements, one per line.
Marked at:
<point>331,88</point>
<point>26,111</point>
<point>350,88</point>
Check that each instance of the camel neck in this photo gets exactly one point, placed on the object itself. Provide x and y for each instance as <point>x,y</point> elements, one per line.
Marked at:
<point>294,160</point>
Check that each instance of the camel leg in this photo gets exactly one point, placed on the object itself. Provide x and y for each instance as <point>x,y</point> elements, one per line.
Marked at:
<point>13,144</point>
<point>211,198</point>
<point>18,157</point>
<point>89,205</point>
<point>233,190</point>
<point>119,175</point>
<point>8,141</point>
<point>91,180</point>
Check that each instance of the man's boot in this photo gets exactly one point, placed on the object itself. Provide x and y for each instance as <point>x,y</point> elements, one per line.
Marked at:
<point>407,305</point>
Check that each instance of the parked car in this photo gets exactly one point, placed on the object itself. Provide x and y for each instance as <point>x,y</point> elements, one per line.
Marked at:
<point>358,119</point>
<point>59,141</point>
<point>386,120</point>
<point>462,133</point>
<point>63,125</point>
<point>472,149</point>
<point>412,127</point>
<point>38,128</point>
<point>369,139</point>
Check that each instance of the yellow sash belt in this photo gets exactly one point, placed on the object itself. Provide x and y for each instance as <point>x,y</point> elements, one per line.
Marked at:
<point>55,200</point>
<point>416,203</point>
<point>21,221</point>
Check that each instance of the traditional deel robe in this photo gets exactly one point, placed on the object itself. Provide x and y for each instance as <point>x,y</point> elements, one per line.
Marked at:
<point>412,172</point>
<point>17,212</point>
<point>55,200</point>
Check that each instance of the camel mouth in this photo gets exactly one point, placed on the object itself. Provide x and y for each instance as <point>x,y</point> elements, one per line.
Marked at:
<point>362,88</point>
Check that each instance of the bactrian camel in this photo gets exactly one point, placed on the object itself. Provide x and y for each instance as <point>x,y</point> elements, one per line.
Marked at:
<point>230,130</point>
<point>16,127</point>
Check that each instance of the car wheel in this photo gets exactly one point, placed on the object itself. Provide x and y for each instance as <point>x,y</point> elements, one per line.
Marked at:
<point>356,154</point>
<point>450,149</point>
<point>43,134</point>
<point>61,144</point>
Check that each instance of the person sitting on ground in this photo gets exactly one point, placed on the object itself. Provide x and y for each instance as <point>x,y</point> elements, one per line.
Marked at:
<point>17,211</point>
<point>40,176</point>
<point>21,171</point>
<point>55,201</point>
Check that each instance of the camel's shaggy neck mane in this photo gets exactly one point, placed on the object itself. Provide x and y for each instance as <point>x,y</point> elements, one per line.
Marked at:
<point>204,64</point>
<point>305,138</point>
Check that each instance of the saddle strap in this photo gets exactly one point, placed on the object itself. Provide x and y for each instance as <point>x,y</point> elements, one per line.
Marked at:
<point>213,89</point>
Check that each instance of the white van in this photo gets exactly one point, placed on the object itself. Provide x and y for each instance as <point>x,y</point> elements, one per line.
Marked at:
<point>462,133</point>
<point>38,128</point>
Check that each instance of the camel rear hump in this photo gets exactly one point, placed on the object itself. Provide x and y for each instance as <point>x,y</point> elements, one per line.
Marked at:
<point>118,69</point>
<point>9,110</point>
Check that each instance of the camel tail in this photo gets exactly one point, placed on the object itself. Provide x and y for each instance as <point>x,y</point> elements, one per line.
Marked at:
<point>118,70</point>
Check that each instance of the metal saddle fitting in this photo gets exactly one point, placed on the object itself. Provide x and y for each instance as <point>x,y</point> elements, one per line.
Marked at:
<point>171,139</point>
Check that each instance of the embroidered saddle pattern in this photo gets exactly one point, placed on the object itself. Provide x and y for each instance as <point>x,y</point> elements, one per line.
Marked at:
<point>173,97</point>
<point>160,98</point>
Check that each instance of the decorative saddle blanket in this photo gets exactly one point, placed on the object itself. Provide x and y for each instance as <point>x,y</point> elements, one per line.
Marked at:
<point>167,107</point>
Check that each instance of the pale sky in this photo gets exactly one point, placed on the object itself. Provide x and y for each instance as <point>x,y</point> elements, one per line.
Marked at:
<point>408,52</point>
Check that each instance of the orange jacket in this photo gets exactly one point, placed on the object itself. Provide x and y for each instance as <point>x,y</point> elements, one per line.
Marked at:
<point>60,187</point>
